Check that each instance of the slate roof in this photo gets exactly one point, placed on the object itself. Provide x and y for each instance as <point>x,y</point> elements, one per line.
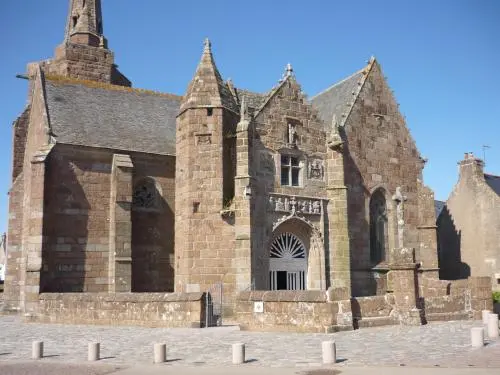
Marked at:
<point>493,182</point>
<point>438,206</point>
<point>337,99</point>
<point>131,120</point>
<point>253,99</point>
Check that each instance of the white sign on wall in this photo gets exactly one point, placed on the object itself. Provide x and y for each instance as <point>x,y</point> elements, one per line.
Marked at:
<point>258,307</point>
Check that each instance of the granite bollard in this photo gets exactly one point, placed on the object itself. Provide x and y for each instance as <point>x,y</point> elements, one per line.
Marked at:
<point>160,353</point>
<point>485,313</point>
<point>477,337</point>
<point>493,326</point>
<point>37,349</point>
<point>94,351</point>
<point>238,353</point>
<point>329,352</point>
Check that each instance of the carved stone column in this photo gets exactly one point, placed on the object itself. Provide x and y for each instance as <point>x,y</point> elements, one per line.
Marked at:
<point>120,225</point>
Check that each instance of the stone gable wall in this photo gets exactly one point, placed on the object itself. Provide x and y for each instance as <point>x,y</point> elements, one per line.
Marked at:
<point>270,140</point>
<point>380,153</point>
<point>469,227</point>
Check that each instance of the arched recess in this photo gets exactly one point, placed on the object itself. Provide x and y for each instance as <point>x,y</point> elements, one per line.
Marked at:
<point>296,256</point>
<point>379,226</point>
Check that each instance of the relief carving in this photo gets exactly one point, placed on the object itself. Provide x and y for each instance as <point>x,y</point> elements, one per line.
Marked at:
<point>204,139</point>
<point>294,204</point>
<point>316,169</point>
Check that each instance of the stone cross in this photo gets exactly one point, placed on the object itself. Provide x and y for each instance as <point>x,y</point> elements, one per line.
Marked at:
<point>399,198</point>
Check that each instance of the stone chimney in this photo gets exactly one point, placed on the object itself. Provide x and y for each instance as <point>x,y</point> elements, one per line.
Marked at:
<point>471,166</point>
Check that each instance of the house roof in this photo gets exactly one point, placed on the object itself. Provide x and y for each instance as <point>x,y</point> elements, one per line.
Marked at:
<point>338,99</point>
<point>111,117</point>
<point>493,182</point>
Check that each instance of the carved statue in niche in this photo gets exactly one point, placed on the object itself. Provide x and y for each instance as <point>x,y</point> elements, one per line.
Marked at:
<point>293,204</point>
<point>279,205</point>
<point>287,204</point>
<point>399,198</point>
<point>316,169</point>
<point>292,134</point>
<point>316,207</point>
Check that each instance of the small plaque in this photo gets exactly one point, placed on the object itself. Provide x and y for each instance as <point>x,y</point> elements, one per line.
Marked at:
<point>258,307</point>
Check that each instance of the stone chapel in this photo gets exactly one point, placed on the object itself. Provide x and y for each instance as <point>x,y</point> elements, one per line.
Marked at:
<point>121,190</point>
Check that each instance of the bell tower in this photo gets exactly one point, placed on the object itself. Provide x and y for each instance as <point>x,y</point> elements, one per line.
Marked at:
<point>84,53</point>
<point>84,23</point>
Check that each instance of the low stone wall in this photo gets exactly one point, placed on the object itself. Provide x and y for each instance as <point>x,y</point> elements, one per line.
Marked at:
<point>298,311</point>
<point>142,309</point>
<point>373,311</point>
<point>463,299</point>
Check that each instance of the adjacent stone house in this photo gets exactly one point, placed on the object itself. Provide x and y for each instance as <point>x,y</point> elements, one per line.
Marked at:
<point>117,190</point>
<point>469,225</point>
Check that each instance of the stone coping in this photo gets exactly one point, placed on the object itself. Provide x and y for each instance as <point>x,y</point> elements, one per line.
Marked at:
<point>283,296</point>
<point>123,297</point>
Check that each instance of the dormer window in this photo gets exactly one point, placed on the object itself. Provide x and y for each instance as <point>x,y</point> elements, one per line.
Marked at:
<point>290,170</point>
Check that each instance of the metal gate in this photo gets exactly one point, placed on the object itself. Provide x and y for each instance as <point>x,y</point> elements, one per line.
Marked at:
<point>213,305</point>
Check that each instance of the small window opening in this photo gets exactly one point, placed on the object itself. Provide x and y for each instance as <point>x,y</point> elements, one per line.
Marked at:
<point>290,171</point>
<point>196,207</point>
<point>75,21</point>
<point>210,111</point>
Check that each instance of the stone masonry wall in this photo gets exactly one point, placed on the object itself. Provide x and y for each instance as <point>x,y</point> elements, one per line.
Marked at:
<point>143,309</point>
<point>204,238</point>
<point>381,154</point>
<point>305,311</point>
<point>86,63</point>
<point>77,231</point>
<point>153,228</point>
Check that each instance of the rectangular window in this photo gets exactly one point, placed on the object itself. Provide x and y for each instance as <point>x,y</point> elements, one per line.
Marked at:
<point>290,171</point>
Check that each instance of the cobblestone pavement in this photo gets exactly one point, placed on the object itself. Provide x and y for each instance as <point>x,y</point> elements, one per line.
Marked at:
<point>433,345</point>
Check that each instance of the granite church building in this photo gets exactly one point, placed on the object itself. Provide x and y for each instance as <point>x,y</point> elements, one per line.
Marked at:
<point>124,198</point>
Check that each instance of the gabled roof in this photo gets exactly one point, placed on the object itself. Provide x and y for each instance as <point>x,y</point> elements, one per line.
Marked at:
<point>493,182</point>
<point>111,116</point>
<point>338,99</point>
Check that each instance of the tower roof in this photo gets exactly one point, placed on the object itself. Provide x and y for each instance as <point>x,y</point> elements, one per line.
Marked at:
<point>84,23</point>
<point>207,89</point>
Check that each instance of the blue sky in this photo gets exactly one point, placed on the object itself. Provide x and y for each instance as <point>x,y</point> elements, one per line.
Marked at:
<point>441,59</point>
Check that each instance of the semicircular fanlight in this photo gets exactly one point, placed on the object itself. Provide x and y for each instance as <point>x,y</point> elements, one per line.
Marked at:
<point>288,246</point>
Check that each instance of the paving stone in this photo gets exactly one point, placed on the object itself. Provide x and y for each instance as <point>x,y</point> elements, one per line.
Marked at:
<point>444,344</point>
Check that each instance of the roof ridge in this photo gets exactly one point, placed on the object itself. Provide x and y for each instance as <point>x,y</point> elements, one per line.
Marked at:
<point>491,175</point>
<point>57,79</point>
<point>339,82</point>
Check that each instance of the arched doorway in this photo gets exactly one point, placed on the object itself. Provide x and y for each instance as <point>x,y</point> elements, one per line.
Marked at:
<point>287,263</point>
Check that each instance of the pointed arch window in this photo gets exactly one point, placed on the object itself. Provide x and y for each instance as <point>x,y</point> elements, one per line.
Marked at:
<point>378,227</point>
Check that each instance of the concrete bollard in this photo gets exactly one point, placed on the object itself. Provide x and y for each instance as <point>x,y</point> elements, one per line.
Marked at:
<point>94,351</point>
<point>37,349</point>
<point>238,353</point>
<point>477,337</point>
<point>493,326</point>
<point>329,352</point>
<point>160,353</point>
<point>485,313</point>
